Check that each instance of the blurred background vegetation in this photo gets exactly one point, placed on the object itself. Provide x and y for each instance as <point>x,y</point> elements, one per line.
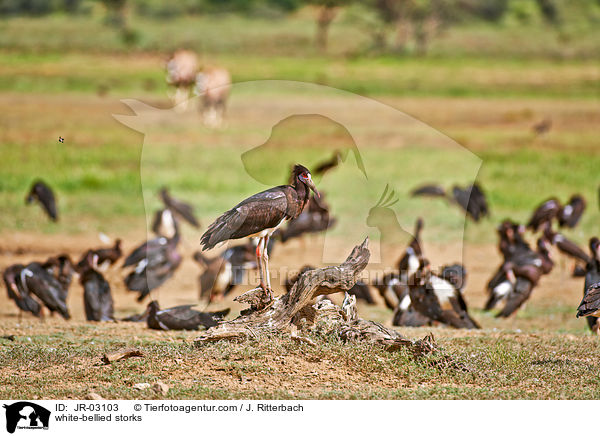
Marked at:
<point>349,28</point>
<point>481,71</point>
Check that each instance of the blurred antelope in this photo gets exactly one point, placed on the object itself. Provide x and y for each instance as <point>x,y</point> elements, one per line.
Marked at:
<point>213,85</point>
<point>182,68</point>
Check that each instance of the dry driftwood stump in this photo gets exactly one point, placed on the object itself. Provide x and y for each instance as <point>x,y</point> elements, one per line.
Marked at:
<point>295,311</point>
<point>123,353</point>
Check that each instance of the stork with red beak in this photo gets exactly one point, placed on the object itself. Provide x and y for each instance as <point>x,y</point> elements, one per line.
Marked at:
<point>260,215</point>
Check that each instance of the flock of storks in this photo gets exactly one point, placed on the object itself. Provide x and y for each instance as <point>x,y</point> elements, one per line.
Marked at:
<point>418,295</point>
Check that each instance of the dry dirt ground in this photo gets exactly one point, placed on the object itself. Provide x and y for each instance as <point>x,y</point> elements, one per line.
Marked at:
<point>279,368</point>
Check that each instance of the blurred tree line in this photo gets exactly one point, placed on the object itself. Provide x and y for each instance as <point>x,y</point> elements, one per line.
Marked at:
<point>395,25</point>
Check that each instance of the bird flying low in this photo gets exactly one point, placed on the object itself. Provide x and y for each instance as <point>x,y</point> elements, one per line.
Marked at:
<point>42,193</point>
<point>470,198</point>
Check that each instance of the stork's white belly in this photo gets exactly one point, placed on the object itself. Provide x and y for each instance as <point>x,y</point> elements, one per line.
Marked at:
<point>224,278</point>
<point>503,289</point>
<point>405,303</point>
<point>443,289</point>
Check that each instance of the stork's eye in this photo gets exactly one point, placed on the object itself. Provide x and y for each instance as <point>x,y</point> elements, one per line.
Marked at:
<point>304,175</point>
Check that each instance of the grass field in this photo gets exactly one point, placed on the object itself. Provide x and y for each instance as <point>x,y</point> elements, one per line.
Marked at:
<point>464,111</point>
<point>542,353</point>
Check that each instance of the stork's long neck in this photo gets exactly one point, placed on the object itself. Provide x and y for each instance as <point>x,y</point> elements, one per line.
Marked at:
<point>303,195</point>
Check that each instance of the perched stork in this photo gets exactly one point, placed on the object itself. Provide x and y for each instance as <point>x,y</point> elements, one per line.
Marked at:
<point>260,215</point>
<point>42,193</point>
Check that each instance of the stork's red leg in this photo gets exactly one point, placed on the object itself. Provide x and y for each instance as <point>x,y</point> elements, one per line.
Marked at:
<point>259,261</point>
<point>266,258</point>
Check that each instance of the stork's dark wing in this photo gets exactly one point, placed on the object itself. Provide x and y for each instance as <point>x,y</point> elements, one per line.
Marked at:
<point>151,276</point>
<point>183,209</point>
<point>570,248</point>
<point>521,292</point>
<point>91,300</point>
<point>464,198</point>
<point>45,196</point>
<point>591,301</point>
<point>108,254</point>
<point>186,318</point>
<point>409,318</point>
<point>15,291</point>
<point>220,314</point>
<point>328,165</point>
<point>241,256</point>
<point>156,221</point>
<point>497,278</point>
<point>97,298</point>
<point>461,196</point>
<point>259,212</point>
<point>460,306</point>
<point>39,282</point>
<point>544,212</point>
<point>429,191</point>
<point>361,291</point>
<point>479,198</point>
<point>447,305</point>
<point>184,311</point>
<point>570,214</point>
<point>147,249</point>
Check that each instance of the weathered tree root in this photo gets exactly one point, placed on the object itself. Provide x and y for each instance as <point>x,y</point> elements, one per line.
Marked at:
<point>293,312</point>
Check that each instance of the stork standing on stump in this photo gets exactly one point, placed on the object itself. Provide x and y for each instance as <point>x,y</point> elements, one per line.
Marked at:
<point>260,215</point>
